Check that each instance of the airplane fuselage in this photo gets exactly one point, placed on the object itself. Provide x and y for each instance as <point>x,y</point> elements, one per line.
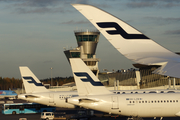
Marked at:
<point>142,105</point>
<point>56,99</point>
<point>7,94</point>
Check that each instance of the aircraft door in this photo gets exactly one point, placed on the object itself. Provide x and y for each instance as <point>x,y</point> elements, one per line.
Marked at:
<point>115,104</point>
<point>51,98</point>
<point>21,109</point>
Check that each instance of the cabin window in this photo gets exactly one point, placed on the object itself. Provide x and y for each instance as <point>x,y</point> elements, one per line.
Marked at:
<point>170,100</point>
<point>145,101</point>
<point>139,101</point>
<point>173,100</point>
<point>151,101</point>
<point>167,100</point>
<point>129,101</point>
<point>155,101</point>
<point>152,92</point>
<point>144,92</point>
<point>133,101</point>
<point>162,91</point>
<point>158,101</point>
<point>136,92</point>
<point>131,92</point>
<point>123,93</point>
<point>161,101</point>
<point>118,92</point>
<point>176,100</point>
<point>164,101</point>
<point>142,101</point>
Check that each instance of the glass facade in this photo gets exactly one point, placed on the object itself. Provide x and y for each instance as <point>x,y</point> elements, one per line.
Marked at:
<point>81,38</point>
<point>89,56</point>
<point>75,54</point>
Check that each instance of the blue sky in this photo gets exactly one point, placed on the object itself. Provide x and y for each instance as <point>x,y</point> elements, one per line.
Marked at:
<point>33,33</point>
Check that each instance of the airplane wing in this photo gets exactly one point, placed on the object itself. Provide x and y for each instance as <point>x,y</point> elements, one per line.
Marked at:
<point>130,42</point>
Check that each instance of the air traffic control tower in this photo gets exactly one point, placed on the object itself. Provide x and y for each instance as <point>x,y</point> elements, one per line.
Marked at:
<point>87,42</point>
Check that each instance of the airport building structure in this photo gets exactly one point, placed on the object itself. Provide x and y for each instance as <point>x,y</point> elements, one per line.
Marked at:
<point>122,79</point>
<point>131,79</point>
<point>87,42</point>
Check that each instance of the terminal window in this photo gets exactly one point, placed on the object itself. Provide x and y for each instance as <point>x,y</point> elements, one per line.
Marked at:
<point>92,37</point>
<point>75,54</point>
<point>89,55</point>
<point>81,38</point>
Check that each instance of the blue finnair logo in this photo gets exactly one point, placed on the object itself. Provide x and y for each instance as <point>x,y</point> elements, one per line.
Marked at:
<point>32,81</point>
<point>119,30</point>
<point>88,78</point>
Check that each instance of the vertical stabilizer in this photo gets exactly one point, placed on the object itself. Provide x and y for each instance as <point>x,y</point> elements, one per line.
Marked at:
<point>30,81</point>
<point>130,42</point>
<point>87,83</point>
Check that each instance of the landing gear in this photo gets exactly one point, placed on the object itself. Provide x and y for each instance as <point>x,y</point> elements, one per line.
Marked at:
<point>134,118</point>
<point>160,118</point>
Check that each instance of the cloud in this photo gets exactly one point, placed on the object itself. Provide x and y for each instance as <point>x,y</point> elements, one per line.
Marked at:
<point>163,21</point>
<point>141,4</point>
<point>173,32</point>
<point>48,61</point>
<point>47,6</point>
<point>82,2</point>
<point>153,3</point>
<point>41,6</point>
<point>75,22</point>
<point>33,3</point>
<point>40,10</point>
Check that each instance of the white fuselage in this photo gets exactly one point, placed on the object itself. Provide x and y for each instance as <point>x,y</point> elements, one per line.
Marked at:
<point>56,99</point>
<point>142,105</point>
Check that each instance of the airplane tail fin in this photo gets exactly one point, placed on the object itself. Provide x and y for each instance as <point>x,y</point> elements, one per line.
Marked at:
<point>130,42</point>
<point>30,81</point>
<point>87,83</point>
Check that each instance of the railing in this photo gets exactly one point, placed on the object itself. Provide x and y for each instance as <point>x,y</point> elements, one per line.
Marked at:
<point>148,79</point>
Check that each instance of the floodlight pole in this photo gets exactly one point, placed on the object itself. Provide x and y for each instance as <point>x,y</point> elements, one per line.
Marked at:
<point>51,77</point>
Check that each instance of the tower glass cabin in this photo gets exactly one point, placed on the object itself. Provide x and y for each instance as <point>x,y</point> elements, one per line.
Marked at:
<point>87,42</point>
